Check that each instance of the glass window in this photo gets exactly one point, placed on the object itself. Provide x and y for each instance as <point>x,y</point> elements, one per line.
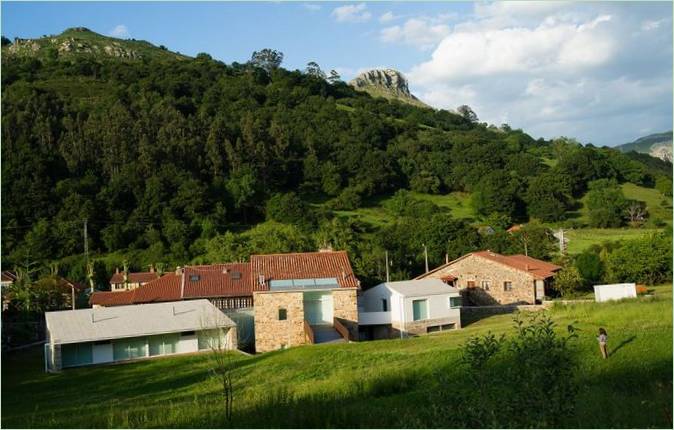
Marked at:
<point>470,284</point>
<point>282,314</point>
<point>76,354</point>
<point>384,305</point>
<point>164,344</point>
<point>213,338</point>
<point>485,285</point>
<point>420,309</point>
<point>507,286</point>
<point>455,302</point>
<point>127,349</point>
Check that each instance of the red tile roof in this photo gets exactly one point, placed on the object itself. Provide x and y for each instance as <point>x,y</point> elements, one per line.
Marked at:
<point>217,280</point>
<point>134,277</point>
<point>537,268</point>
<point>111,298</point>
<point>305,265</point>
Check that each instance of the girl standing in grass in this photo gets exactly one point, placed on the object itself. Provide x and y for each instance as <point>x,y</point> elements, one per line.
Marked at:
<point>602,338</point>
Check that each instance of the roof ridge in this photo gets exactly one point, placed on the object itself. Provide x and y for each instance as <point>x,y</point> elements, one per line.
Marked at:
<point>298,253</point>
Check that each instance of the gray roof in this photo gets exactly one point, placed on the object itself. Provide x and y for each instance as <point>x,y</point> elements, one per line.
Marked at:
<point>86,325</point>
<point>421,287</point>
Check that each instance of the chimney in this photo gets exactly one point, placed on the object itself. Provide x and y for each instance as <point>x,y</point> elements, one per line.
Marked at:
<point>151,268</point>
<point>178,270</point>
<point>116,269</point>
<point>225,270</point>
<point>325,248</point>
<point>260,280</point>
<point>526,266</point>
<point>343,274</point>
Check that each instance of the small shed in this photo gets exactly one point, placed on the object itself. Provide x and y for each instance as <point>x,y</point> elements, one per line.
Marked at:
<point>606,292</point>
<point>107,335</point>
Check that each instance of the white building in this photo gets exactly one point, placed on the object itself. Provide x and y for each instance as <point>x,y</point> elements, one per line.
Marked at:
<point>106,335</point>
<point>604,293</point>
<point>408,307</point>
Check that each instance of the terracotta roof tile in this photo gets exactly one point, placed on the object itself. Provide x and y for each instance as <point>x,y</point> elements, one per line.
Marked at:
<point>538,268</point>
<point>111,298</point>
<point>8,276</point>
<point>306,265</point>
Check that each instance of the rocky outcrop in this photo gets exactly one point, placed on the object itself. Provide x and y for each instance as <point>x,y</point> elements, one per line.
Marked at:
<point>386,83</point>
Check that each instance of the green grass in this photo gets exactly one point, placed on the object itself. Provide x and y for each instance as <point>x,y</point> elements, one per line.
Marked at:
<point>368,384</point>
<point>653,199</point>
<point>582,239</point>
<point>374,213</point>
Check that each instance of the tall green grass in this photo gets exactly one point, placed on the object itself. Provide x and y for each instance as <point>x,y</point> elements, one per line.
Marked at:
<point>388,383</point>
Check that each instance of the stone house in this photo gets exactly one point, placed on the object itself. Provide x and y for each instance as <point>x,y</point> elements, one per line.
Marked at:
<point>488,278</point>
<point>303,298</point>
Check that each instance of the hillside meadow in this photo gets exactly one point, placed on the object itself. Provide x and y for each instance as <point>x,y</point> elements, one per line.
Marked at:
<point>391,383</point>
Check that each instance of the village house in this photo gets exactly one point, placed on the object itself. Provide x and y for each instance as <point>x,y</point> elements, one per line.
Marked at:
<point>488,278</point>
<point>125,280</point>
<point>7,278</point>
<point>414,307</point>
<point>295,298</point>
<point>108,335</point>
<point>303,298</point>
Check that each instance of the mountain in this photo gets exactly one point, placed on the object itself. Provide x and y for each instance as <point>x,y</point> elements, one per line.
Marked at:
<point>82,42</point>
<point>657,145</point>
<point>387,83</point>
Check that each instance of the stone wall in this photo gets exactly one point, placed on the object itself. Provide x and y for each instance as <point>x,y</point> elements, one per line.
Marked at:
<point>478,269</point>
<point>419,327</point>
<point>345,308</point>
<point>270,332</point>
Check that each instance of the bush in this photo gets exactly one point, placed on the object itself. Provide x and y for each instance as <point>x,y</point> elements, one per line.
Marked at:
<point>349,199</point>
<point>568,281</point>
<point>533,370</point>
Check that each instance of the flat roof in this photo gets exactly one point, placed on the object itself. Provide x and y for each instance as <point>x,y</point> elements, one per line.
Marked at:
<point>89,325</point>
<point>421,287</point>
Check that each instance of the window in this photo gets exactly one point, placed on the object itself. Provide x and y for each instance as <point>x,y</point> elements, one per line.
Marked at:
<point>384,305</point>
<point>470,284</point>
<point>454,302</point>
<point>433,329</point>
<point>282,314</point>
<point>163,344</point>
<point>194,278</point>
<point>485,285</point>
<point>507,286</point>
<point>187,333</point>
<point>419,309</point>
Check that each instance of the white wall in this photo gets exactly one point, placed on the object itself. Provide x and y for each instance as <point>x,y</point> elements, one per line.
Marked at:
<point>371,299</point>
<point>102,353</point>
<point>438,307</point>
<point>188,343</point>
<point>603,293</point>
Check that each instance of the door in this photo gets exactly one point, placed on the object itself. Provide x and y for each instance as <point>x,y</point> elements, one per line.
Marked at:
<point>540,290</point>
<point>318,307</point>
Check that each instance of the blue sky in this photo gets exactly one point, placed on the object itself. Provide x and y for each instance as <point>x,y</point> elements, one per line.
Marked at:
<point>600,72</point>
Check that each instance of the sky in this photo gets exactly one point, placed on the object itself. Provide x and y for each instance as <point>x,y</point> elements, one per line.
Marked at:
<point>600,72</point>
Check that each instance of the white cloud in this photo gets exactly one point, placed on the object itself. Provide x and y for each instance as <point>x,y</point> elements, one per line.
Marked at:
<point>311,7</point>
<point>418,32</point>
<point>599,72</point>
<point>352,13</point>
<point>120,31</point>
<point>387,17</point>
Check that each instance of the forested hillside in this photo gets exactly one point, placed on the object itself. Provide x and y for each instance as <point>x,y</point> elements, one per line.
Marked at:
<point>174,160</point>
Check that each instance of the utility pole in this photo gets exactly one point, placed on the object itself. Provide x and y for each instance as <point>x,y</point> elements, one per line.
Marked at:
<point>425,255</point>
<point>387,274</point>
<point>86,251</point>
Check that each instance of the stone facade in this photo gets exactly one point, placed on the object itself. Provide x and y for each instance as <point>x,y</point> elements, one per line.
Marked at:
<point>270,332</point>
<point>478,270</point>
<point>345,303</point>
<point>420,327</point>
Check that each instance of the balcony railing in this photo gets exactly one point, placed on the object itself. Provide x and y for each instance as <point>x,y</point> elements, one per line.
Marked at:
<point>308,332</point>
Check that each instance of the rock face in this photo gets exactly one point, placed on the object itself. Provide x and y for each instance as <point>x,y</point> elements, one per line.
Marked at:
<point>386,83</point>
<point>657,145</point>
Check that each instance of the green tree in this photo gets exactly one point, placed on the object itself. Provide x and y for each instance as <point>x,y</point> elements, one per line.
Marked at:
<point>548,197</point>
<point>646,260</point>
<point>606,204</point>
<point>590,266</point>
<point>568,281</point>
<point>267,59</point>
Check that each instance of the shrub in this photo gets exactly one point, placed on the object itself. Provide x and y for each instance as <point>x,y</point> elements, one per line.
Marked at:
<point>568,281</point>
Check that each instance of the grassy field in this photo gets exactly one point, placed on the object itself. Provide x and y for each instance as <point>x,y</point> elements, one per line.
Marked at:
<point>581,239</point>
<point>374,213</point>
<point>368,384</point>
